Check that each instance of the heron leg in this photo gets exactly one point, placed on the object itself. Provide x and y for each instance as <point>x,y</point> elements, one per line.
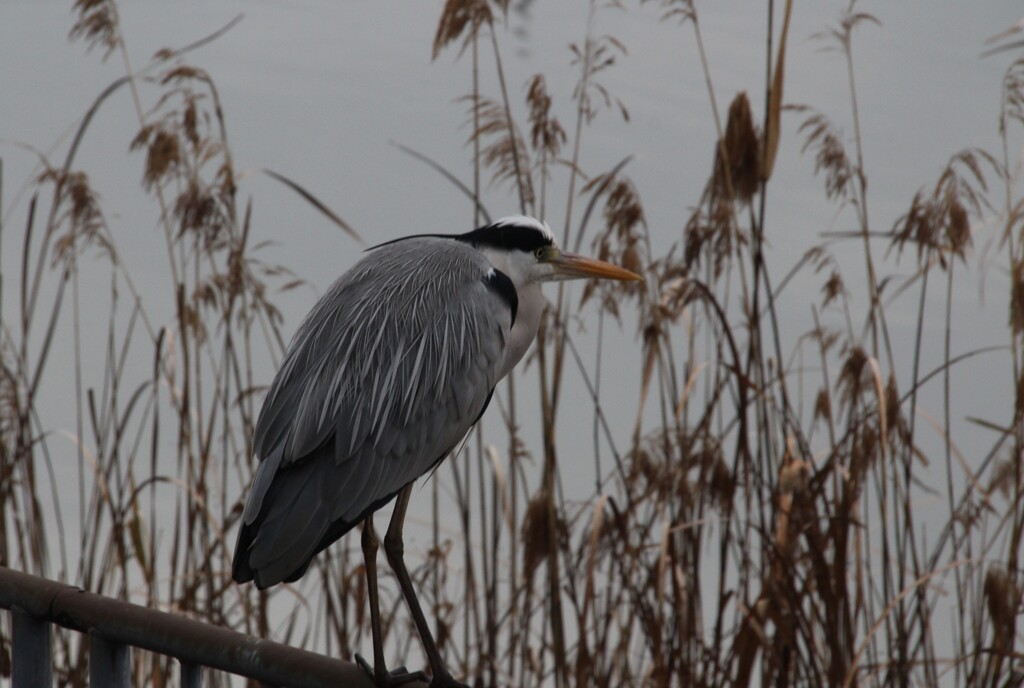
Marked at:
<point>379,672</point>
<point>394,547</point>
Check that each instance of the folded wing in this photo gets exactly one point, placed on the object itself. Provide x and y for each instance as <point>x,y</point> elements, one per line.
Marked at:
<point>384,377</point>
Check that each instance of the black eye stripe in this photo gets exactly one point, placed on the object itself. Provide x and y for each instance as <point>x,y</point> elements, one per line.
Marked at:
<point>504,234</point>
<point>508,237</point>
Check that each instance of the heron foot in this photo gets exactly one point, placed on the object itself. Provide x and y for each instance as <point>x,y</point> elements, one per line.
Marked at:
<point>390,679</point>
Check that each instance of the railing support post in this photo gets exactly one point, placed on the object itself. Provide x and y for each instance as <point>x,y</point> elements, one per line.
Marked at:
<point>31,653</point>
<point>191,676</point>
<point>109,663</point>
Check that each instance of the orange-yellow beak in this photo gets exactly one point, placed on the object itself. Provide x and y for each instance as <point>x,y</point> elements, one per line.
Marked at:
<point>570,265</point>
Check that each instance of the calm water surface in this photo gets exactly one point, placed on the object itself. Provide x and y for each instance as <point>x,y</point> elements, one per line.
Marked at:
<point>319,91</point>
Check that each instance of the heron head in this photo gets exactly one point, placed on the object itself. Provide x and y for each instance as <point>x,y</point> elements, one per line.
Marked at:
<point>525,249</point>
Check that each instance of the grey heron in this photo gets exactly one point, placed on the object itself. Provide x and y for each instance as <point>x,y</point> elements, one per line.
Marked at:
<point>384,377</point>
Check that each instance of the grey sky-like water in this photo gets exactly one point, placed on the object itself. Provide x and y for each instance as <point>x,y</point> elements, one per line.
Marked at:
<point>319,90</point>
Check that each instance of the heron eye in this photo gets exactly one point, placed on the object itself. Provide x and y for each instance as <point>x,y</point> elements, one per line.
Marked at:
<point>539,253</point>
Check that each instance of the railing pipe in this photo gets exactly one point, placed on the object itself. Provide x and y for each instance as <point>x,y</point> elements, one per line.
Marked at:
<point>36,601</point>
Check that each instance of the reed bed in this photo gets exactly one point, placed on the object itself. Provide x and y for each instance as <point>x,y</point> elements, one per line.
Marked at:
<point>755,522</point>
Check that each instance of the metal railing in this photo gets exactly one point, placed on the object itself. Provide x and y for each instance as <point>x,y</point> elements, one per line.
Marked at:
<point>114,627</point>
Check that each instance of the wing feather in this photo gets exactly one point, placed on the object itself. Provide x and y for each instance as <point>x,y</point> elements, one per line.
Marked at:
<point>383,378</point>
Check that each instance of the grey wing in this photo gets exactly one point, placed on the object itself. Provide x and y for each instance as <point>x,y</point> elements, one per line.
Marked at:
<point>384,377</point>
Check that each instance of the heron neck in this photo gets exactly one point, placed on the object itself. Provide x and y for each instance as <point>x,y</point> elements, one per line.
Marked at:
<point>531,305</point>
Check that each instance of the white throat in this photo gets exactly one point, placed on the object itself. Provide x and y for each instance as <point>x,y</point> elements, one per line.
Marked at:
<point>531,305</point>
<point>521,269</point>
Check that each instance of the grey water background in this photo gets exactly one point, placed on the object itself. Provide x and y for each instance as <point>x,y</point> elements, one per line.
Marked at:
<point>319,90</point>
